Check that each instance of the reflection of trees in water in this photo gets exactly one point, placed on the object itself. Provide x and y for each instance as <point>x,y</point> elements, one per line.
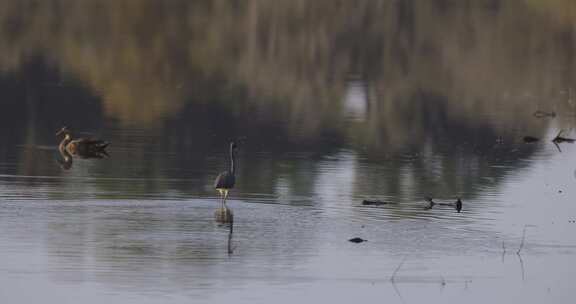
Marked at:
<point>145,58</point>
<point>434,75</point>
<point>439,149</point>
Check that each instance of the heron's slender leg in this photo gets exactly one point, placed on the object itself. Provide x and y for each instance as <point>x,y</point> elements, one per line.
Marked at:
<point>225,197</point>
<point>221,198</point>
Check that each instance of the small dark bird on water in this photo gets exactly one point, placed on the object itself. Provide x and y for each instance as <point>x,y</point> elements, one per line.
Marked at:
<point>374,203</point>
<point>226,180</point>
<point>458,205</point>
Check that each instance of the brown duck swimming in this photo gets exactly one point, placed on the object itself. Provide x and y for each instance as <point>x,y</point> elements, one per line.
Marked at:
<point>81,147</point>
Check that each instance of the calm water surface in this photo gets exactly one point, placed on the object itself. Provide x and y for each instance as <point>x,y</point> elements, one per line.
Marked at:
<point>331,105</point>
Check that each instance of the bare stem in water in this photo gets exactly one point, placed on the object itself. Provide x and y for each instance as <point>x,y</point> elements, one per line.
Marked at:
<point>398,268</point>
<point>522,242</point>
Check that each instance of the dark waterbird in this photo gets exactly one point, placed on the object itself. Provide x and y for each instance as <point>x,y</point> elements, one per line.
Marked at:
<point>458,205</point>
<point>223,184</point>
<point>81,147</point>
<point>374,203</point>
<point>225,181</point>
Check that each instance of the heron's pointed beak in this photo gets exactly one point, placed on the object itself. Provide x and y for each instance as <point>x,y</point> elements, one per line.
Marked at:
<point>64,130</point>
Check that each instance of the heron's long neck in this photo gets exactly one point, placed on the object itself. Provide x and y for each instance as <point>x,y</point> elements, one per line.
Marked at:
<point>232,157</point>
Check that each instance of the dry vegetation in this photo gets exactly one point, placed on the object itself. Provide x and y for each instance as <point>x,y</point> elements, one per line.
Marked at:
<point>146,58</point>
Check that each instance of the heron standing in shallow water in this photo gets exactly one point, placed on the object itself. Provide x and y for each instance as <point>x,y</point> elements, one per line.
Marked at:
<point>225,181</point>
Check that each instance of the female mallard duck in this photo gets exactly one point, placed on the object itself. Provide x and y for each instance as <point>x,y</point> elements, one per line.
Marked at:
<point>82,147</point>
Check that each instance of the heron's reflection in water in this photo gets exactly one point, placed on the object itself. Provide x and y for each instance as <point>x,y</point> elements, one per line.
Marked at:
<point>225,217</point>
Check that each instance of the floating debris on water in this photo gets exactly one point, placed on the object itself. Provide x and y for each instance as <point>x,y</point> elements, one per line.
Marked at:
<point>374,203</point>
<point>357,240</point>
<point>431,203</point>
<point>542,114</point>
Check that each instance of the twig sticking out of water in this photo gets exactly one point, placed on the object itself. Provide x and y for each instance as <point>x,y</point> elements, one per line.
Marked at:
<point>397,292</point>
<point>522,242</point>
<point>393,277</point>
<point>393,282</point>
<point>557,146</point>
<point>522,270</point>
<point>503,251</point>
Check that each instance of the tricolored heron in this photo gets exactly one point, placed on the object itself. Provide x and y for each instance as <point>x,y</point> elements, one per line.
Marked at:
<point>226,180</point>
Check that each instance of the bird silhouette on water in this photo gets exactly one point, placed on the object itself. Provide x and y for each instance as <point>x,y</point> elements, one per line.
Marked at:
<point>458,205</point>
<point>223,184</point>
